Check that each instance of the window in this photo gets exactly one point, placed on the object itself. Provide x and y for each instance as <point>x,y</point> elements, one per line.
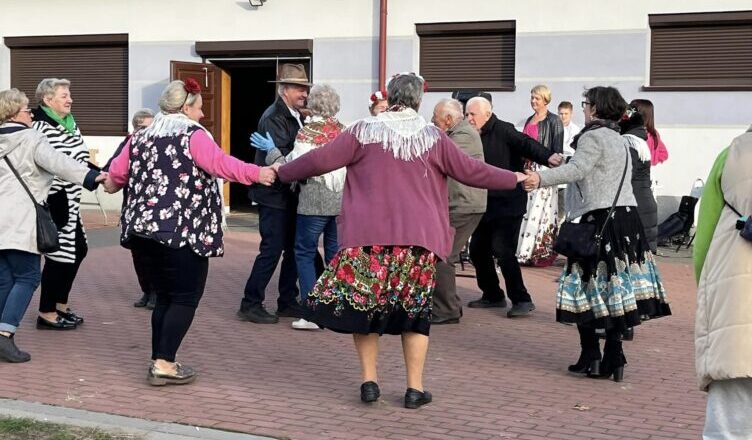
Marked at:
<point>473,55</point>
<point>701,51</point>
<point>97,67</point>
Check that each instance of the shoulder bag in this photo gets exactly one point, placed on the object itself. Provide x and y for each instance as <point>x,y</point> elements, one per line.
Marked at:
<point>47,239</point>
<point>583,240</point>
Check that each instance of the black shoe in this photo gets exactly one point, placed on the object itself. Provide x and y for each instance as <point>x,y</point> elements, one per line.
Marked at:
<point>369,392</point>
<point>10,353</point>
<point>59,323</point>
<point>442,321</point>
<point>68,315</point>
<point>628,334</point>
<point>415,398</point>
<point>152,301</point>
<point>183,375</point>
<point>613,364</point>
<point>293,310</point>
<point>486,304</point>
<point>589,365</point>
<point>520,309</point>
<point>142,302</point>
<point>258,315</point>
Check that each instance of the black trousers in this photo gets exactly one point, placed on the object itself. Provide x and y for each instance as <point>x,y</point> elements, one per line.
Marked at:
<point>277,230</point>
<point>143,265</point>
<point>497,238</point>
<point>57,277</point>
<point>179,277</point>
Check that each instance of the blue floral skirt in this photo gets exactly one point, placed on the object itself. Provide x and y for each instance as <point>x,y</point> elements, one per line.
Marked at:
<point>375,289</point>
<point>623,287</point>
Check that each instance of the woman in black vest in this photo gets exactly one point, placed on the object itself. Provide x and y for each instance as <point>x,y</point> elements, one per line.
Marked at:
<point>173,214</point>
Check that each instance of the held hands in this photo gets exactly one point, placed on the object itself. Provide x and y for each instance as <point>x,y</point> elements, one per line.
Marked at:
<point>555,160</point>
<point>267,175</point>
<point>532,182</point>
<point>521,177</point>
<point>102,177</point>
<point>262,143</point>
<point>109,185</point>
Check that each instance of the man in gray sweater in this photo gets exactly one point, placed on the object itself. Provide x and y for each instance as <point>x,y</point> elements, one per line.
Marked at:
<point>466,208</point>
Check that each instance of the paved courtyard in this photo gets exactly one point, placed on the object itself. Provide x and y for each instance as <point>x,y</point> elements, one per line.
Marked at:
<point>492,377</point>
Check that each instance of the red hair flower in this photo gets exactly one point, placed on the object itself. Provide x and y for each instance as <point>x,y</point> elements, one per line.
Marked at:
<point>191,86</point>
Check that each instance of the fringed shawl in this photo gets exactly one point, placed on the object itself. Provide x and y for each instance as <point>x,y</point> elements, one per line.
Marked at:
<point>404,133</point>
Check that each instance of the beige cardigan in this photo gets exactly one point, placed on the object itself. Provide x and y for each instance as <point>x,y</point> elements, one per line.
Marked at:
<point>37,163</point>
<point>723,325</point>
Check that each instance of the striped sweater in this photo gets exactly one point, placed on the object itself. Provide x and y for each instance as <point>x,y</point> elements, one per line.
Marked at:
<point>64,197</point>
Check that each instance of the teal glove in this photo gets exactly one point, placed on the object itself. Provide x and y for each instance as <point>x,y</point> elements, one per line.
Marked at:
<point>262,143</point>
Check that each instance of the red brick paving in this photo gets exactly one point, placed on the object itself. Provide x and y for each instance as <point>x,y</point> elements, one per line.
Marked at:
<point>492,377</point>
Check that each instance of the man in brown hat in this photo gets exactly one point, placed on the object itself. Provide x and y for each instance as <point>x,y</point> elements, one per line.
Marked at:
<point>277,205</point>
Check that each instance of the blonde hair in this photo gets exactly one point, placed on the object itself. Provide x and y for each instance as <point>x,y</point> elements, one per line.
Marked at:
<point>11,102</point>
<point>174,97</point>
<point>48,86</point>
<point>543,91</point>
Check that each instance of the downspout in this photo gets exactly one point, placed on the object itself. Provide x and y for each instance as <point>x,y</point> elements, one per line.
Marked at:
<point>382,45</point>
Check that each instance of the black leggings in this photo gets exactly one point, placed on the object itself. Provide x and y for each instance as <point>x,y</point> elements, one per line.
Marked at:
<point>179,278</point>
<point>57,277</point>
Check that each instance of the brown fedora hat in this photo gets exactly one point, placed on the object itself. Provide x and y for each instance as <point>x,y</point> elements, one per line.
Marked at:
<point>293,74</point>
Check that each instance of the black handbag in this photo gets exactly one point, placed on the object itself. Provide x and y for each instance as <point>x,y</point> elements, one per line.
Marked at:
<point>47,239</point>
<point>583,240</point>
<point>743,223</point>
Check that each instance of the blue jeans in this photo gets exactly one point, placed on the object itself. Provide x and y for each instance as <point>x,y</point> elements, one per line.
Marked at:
<point>307,232</point>
<point>20,276</point>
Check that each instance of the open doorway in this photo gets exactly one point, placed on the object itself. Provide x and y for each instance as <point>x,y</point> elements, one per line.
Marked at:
<point>251,92</point>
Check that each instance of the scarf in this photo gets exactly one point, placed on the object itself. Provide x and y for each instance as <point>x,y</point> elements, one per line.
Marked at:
<point>401,131</point>
<point>593,125</point>
<point>315,134</point>
<point>67,122</point>
<point>172,124</point>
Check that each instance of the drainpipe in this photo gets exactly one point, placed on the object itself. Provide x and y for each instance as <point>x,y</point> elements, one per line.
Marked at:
<point>382,45</point>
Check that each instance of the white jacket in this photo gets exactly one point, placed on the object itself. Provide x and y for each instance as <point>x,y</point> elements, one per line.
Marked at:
<point>37,163</point>
<point>723,325</point>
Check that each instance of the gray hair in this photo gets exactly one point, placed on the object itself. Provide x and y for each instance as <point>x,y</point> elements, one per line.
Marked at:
<point>139,117</point>
<point>48,86</point>
<point>451,107</point>
<point>484,103</point>
<point>174,97</point>
<point>11,102</point>
<point>405,90</point>
<point>323,101</point>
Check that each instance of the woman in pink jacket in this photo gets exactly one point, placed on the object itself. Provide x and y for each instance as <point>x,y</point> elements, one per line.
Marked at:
<point>172,215</point>
<point>392,229</point>
<point>658,151</point>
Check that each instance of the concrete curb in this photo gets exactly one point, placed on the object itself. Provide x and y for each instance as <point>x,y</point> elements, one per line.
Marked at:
<point>87,419</point>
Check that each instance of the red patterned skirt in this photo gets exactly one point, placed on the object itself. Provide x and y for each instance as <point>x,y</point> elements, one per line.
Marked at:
<point>375,289</point>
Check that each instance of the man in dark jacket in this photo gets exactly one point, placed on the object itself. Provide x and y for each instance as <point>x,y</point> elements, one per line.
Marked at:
<point>498,232</point>
<point>277,205</point>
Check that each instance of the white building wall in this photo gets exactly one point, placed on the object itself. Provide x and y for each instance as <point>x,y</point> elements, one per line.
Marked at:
<point>566,45</point>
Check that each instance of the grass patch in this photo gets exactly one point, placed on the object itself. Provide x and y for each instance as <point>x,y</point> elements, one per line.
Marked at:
<point>12,428</point>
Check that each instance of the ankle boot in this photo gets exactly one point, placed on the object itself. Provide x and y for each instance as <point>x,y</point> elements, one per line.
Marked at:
<point>613,358</point>
<point>590,354</point>
<point>10,353</point>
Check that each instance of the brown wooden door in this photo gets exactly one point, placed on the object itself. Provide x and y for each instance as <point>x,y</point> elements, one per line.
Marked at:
<point>215,88</point>
<point>209,77</point>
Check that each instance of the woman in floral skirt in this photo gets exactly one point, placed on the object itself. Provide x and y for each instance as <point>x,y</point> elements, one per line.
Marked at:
<point>621,286</point>
<point>393,227</point>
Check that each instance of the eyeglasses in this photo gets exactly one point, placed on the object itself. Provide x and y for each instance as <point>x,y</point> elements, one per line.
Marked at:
<point>584,103</point>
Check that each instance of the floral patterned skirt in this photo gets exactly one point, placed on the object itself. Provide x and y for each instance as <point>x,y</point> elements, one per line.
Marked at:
<point>539,226</point>
<point>620,289</point>
<point>375,289</point>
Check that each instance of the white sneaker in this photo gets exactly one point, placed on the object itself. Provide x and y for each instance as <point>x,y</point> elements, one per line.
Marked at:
<point>302,324</point>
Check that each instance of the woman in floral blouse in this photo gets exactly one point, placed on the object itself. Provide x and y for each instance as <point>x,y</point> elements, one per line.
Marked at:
<point>320,197</point>
<point>173,213</point>
<point>393,226</point>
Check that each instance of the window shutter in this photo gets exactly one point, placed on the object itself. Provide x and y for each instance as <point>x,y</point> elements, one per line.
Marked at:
<point>468,55</point>
<point>98,74</point>
<point>701,51</point>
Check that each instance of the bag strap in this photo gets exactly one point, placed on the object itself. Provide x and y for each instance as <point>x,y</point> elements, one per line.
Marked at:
<point>18,176</point>
<point>732,208</point>
<point>616,199</point>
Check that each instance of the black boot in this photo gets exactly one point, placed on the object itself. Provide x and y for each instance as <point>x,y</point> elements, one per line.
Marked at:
<point>590,354</point>
<point>613,357</point>
<point>143,301</point>
<point>10,353</point>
